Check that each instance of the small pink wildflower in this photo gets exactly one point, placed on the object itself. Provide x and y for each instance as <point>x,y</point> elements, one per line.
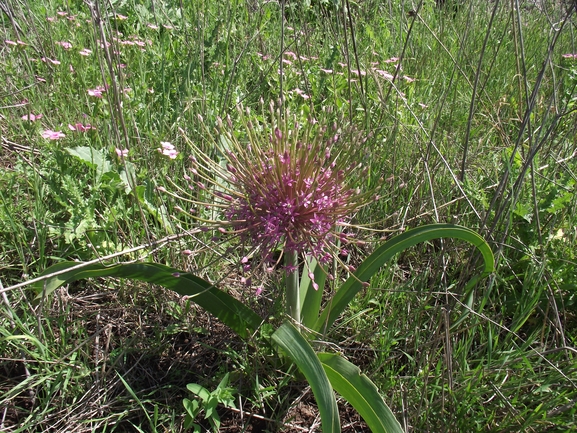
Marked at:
<point>152,26</point>
<point>32,117</point>
<point>85,52</point>
<point>8,42</point>
<point>168,149</point>
<point>79,127</point>
<point>102,44</point>
<point>565,56</point>
<point>356,72</point>
<point>64,44</point>
<point>384,74</point>
<point>62,13</point>
<point>46,60</point>
<point>121,153</point>
<point>120,17</point>
<point>52,135</point>
<point>301,93</point>
<point>291,54</point>
<point>327,71</point>
<point>97,91</point>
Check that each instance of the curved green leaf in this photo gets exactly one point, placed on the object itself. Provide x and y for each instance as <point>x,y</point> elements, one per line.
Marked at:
<point>360,392</point>
<point>303,355</point>
<point>385,252</point>
<point>230,311</point>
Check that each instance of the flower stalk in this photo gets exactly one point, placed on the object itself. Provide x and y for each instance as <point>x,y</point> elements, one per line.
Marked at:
<point>292,285</point>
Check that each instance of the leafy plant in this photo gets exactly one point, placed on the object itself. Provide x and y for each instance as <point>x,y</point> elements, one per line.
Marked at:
<point>207,402</point>
<point>291,190</point>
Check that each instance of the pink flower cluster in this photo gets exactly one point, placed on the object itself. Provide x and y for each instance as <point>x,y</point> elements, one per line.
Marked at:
<point>32,117</point>
<point>168,149</point>
<point>289,192</point>
<point>79,127</point>
<point>121,153</point>
<point>97,91</point>
<point>291,195</point>
<point>64,44</point>
<point>52,135</point>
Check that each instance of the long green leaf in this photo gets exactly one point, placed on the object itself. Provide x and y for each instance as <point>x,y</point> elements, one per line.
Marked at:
<point>230,311</point>
<point>310,298</point>
<point>360,392</point>
<point>303,355</point>
<point>385,252</point>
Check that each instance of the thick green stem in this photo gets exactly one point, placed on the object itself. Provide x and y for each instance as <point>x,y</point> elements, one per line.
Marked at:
<point>292,286</point>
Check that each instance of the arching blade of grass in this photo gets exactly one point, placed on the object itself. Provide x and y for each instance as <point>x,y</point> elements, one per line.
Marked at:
<point>387,251</point>
<point>230,311</point>
<point>360,392</point>
<point>303,355</point>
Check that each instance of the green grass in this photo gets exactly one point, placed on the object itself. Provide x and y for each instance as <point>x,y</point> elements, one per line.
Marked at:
<point>484,136</point>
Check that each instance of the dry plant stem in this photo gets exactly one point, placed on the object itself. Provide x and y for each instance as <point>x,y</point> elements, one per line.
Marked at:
<point>292,285</point>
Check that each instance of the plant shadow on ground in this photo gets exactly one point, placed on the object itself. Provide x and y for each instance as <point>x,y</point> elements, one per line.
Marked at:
<point>139,347</point>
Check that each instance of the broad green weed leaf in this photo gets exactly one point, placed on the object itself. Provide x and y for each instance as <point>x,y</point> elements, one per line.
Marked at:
<point>145,196</point>
<point>387,251</point>
<point>302,354</point>
<point>92,157</point>
<point>360,392</point>
<point>199,390</point>
<point>230,311</point>
<point>310,298</point>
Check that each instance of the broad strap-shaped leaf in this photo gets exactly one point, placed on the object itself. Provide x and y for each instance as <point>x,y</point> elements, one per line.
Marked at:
<point>387,251</point>
<point>230,311</point>
<point>360,392</point>
<point>309,297</point>
<point>302,354</point>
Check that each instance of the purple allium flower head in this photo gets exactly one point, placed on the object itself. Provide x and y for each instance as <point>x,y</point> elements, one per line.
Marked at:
<point>285,186</point>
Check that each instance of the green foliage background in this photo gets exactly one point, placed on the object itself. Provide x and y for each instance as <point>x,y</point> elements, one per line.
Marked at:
<point>478,128</point>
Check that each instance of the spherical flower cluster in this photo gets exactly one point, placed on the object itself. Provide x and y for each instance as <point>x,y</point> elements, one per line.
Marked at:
<point>284,187</point>
<point>292,196</point>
